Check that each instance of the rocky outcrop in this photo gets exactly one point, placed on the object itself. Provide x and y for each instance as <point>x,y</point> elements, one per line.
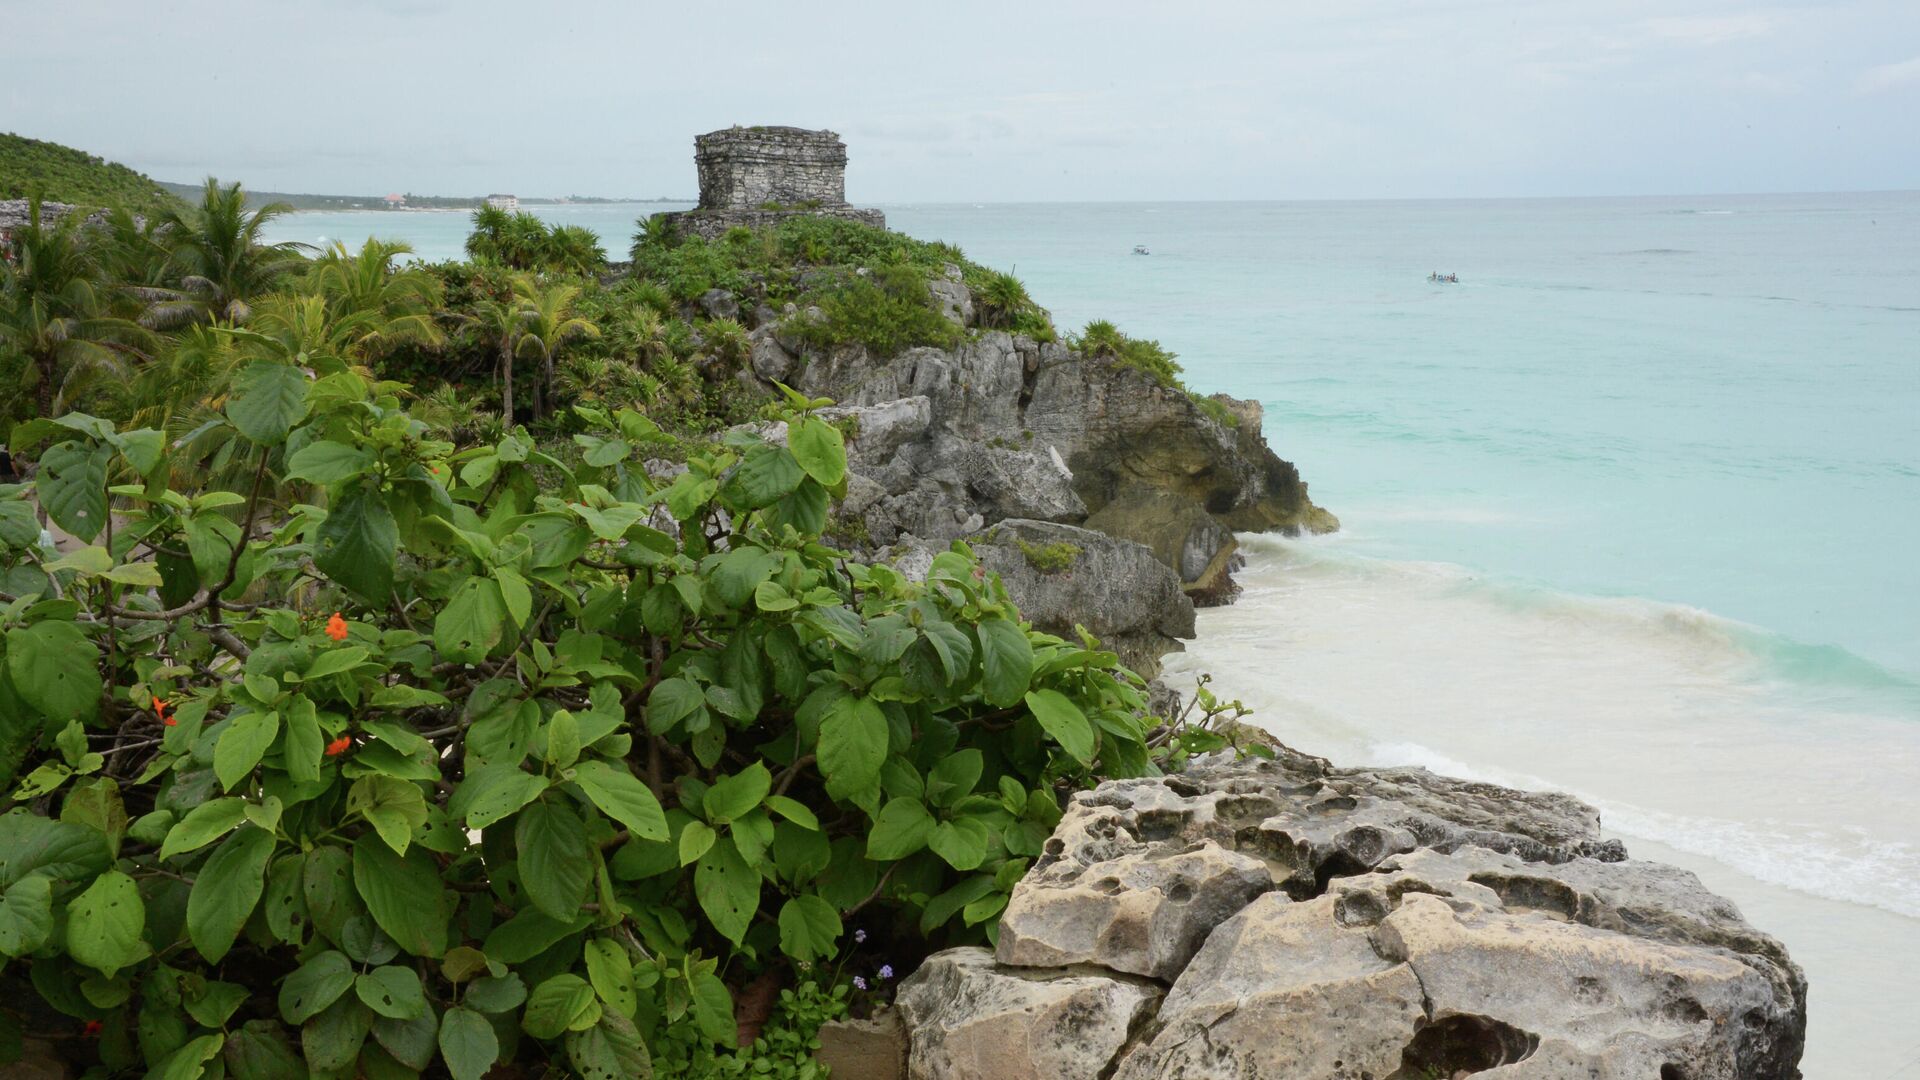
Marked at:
<point>1310,921</point>
<point>1062,576</point>
<point>1111,427</point>
<point>972,1017</point>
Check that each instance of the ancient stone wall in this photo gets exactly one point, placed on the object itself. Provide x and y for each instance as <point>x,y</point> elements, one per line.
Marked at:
<point>757,177</point>
<point>771,168</point>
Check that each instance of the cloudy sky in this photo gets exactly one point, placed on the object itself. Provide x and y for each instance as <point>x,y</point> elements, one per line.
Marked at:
<point>987,100</point>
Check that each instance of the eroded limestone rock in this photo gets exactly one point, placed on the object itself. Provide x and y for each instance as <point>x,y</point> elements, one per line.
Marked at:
<point>1417,926</point>
<point>973,1020</point>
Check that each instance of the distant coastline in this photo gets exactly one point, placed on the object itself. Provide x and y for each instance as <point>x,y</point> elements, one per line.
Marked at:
<point>408,200</point>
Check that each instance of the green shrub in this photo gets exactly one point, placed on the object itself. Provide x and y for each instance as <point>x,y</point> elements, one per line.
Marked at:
<point>387,756</point>
<point>1049,558</point>
<point>887,311</point>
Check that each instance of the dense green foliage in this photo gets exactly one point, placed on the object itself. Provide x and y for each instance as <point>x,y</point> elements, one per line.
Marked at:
<point>58,173</point>
<point>352,732</point>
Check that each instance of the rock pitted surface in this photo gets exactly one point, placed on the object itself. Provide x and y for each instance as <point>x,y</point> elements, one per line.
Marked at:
<point>1314,922</point>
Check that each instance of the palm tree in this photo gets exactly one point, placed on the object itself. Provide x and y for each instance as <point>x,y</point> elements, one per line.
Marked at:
<point>386,305</point>
<point>547,324</point>
<point>523,243</point>
<point>217,248</point>
<point>575,248</point>
<point>56,310</point>
<point>489,225</point>
<point>656,231</point>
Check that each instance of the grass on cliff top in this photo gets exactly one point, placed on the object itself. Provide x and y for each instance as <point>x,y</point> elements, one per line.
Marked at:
<point>62,174</point>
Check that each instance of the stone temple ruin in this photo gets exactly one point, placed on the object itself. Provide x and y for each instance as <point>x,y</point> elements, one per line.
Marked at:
<point>759,176</point>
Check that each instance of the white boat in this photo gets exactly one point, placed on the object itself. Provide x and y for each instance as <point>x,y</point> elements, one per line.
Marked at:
<point>1141,249</point>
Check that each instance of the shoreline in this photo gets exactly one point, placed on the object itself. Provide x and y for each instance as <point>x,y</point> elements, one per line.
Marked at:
<point>1271,649</point>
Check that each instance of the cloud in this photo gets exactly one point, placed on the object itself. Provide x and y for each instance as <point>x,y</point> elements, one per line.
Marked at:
<point>1879,80</point>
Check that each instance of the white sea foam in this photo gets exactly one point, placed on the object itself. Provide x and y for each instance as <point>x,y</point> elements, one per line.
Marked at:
<point>1679,725</point>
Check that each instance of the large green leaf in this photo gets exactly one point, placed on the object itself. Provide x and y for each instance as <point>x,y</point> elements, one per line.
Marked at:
<point>901,829</point>
<point>819,448</point>
<point>104,924</point>
<point>404,894</point>
<point>492,793</point>
<point>327,462</point>
<point>610,970</point>
<point>190,1060</point>
<point>610,1050</point>
<point>332,1040</point>
<point>326,882</point>
<point>472,623</point>
<point>394,808</point>
<point>621,796</point>
<point>1006,661</point>
<point>31,844</point>
<point>468,1043</point>
<point>556,862</point>
<point>226,890</point>
<point>73,487</point>
<point>672,701</point>
<point>954,777</point>
<point>242,745</point>
<point>1063,720</point>
<point>392,991</point>
<point>733,796</point>
<point>728,889</point>
<point>26,916</point>
<point>268,399</point>
<point>304,748</point>
<point>962,842</point>
<point>203,825</point>
<point>809,928</point>
<point>563,1003</point>
<point>713,1007</point>
<point>356,544</point>
<point>410,1041</point>
<point>853,746</point>
<point>767,473</point>
<point>56,668</point>
<point>315,985</point>
<point>260,1051</point>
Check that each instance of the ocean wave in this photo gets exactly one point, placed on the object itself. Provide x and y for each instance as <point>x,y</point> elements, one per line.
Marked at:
<point>1764,653</point>
<point>1791,763</point>
<point>1847,865</point>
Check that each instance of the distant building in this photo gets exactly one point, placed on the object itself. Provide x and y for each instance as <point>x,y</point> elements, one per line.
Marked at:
<point>503,202</point>
<point>395,202</point>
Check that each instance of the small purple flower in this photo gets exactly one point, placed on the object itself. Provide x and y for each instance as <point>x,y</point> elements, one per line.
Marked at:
<point>859,983</point>
<point>859,937</point>
<point>885,972</point>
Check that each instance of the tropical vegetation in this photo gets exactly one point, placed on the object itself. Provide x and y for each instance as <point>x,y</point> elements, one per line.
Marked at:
<point>58,173</point>
<point>352,724</point>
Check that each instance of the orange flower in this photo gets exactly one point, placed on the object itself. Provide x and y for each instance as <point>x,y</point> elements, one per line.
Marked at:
<point>337,627</point>
<point>338,746</point>
<point>91,1029</point>
<point>160,710</point>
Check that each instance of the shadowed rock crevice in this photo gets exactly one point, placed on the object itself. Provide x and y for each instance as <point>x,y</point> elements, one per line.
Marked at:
<point>1469,1044</point>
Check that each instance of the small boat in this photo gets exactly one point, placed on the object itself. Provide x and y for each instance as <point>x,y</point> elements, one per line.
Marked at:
<point>1443,279</point>
<point>1141,249</point>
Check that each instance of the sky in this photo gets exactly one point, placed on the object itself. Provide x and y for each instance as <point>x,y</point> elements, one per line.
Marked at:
<point>988,101</point>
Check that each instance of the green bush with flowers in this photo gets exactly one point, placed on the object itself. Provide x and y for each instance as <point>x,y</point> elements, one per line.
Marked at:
<point>333,749</point>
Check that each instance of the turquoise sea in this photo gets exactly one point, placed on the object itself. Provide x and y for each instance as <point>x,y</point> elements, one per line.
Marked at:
<point>1630,512</point>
